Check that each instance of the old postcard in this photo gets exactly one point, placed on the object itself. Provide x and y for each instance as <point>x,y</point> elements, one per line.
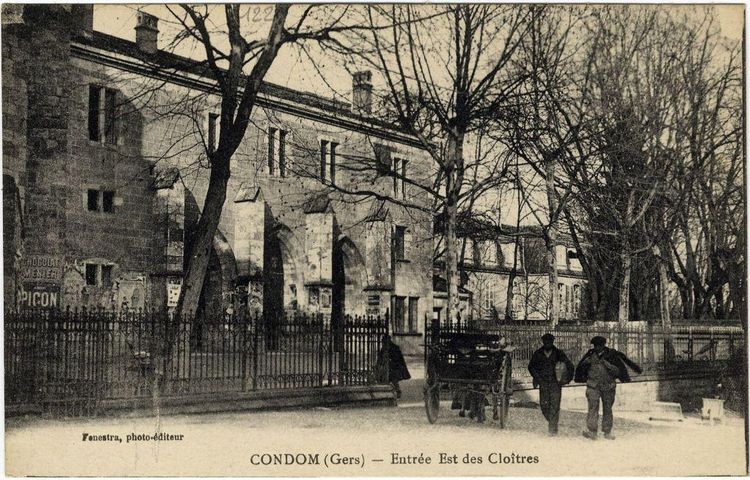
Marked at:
<point>374,240</point>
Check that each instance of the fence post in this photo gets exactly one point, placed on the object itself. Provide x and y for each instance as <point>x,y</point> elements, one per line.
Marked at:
<point>256,331</point>
<point>329,350</point>
<point>712,346</point>
<point>320,331</point>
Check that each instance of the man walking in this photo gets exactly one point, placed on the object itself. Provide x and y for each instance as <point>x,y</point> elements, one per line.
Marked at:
<point>550,369</point>
<point>599,369</point>
<point>391,364</point>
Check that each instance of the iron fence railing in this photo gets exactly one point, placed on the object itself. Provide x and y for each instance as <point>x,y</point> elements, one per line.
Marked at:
<point>652,347</point>
<point>81,357</point>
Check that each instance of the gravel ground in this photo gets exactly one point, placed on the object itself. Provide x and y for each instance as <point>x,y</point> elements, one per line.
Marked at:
<point>230,444</point>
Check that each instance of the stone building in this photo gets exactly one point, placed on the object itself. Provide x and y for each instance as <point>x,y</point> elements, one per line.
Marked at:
<point>104,175</point>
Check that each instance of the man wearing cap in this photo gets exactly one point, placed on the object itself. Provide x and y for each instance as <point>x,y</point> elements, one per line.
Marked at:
<point>599,369</point>
<point>549,377</point>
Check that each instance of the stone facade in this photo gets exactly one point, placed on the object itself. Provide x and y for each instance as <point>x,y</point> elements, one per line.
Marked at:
<point>111,192</point>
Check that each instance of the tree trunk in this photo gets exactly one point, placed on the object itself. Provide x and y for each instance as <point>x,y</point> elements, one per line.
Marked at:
<point>513,272</point>
<point>454,165</point>
<point>664,313</point>
<point>554,298</point>
<point>200,247</point>
<point>624,311</point>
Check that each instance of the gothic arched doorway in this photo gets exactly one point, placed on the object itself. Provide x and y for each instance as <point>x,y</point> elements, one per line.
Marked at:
<point>349,279</point>
<point>218,288</point>
<point>281,279</point>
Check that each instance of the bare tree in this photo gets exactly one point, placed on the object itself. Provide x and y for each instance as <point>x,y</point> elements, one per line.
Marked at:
<point>238,64</point>
<point>702,213</point>
<point>445,70</point>
<point>543,127</point>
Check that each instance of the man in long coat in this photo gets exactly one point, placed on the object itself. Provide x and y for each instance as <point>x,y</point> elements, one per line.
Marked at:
<point>598,369</point>
<point>391,360</point>
<point>549,377</point>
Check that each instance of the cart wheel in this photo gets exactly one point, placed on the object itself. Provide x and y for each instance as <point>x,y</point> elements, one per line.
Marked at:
<point>503,406</point>
<point>432,402</point>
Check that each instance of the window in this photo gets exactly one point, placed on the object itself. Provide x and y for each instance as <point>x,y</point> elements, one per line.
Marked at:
<point>94,112</point>
<point>488,253</point>
<point>561,295</point>
<point>323,159</point>
<point>561,255</point>
<point>576,300</point>
<point>276,155</point>
<point>489,299</point>
<point>399,243</point>
<point>413,314</point>
<point>93,200</point>
<point>403,178</point>
<point>102,113</point>
<point>213,119</point>
<point>399,174</point>
<point>399,314</point>
<point>282,153</point>
<point>98,275</point>
<point>108,198</point>
<point>110,109</point>
<point>471,253</point>
<point>328,161</point>
<point>106,275</point>
<point>332,162</point>
<point>91,276</point>
<point>507,252</point>
<point>574,263</point>
<point>175,232</point>
<point>100,201</point>
<point>271,150</point>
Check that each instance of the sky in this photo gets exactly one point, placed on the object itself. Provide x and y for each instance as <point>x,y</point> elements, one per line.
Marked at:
<point>327,76</point>
<point>295,69</point>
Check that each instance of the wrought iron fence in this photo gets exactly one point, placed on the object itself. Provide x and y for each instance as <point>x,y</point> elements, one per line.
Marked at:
<point>80,357</point>
<point>652,347</point>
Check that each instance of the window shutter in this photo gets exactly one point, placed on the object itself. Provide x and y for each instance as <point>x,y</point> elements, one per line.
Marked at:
<point>323,162</point>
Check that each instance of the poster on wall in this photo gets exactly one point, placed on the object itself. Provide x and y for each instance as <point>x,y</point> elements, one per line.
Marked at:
<point>41,269</point>
<point>174,286</point>
<point>325,298</point>
<point>39,295</point>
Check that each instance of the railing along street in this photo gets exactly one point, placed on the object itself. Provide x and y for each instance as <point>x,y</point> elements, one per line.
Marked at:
<point>653,347</point>
<point>80,357</point>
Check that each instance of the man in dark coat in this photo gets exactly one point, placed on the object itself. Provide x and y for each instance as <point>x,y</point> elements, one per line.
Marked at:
<point>599,369</point>
<point>550,378</point>
<point>391,360</point>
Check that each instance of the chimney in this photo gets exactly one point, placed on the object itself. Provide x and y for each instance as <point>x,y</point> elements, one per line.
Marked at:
<point>362,92</point>
<point>83,19</point>
<point>146,32</point>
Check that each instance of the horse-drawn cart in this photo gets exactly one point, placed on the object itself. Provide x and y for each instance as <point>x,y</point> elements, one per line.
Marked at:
<point>473,367</point>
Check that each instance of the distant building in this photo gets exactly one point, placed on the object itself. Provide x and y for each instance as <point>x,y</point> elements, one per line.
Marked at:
<point>493,254</point>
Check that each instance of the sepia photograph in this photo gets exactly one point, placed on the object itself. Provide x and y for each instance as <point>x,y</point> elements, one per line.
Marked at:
<point>374,240</point>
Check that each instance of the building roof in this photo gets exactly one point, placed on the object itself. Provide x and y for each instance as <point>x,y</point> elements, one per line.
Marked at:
<point>479,228</point>
<point>171,65</point>
<point>317,204</point>
<point>166,178</point>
